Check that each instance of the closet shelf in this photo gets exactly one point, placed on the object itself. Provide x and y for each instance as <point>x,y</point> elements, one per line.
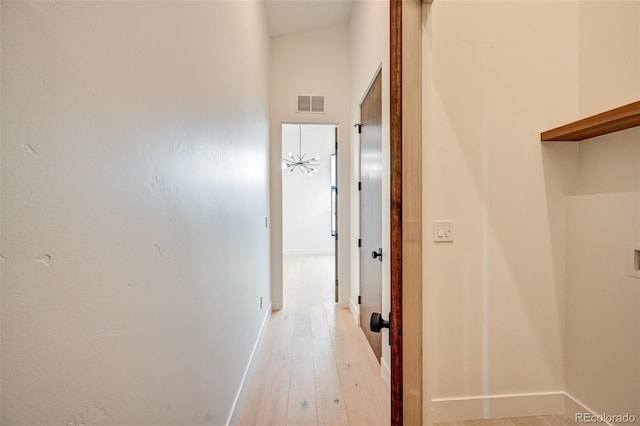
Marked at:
<point>620,118</point>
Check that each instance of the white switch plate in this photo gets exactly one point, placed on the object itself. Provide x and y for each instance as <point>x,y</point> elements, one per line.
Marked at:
<point>442,231</point>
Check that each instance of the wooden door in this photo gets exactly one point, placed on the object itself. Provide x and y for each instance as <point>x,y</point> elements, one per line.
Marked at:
<point>371,211</point>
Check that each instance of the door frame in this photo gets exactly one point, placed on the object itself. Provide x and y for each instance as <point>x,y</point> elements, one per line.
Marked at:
<point>279,156</point>
<point>406,211</point>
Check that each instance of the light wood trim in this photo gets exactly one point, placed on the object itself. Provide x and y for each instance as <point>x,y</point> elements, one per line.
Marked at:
<point>620,118</point>
<point>406,212</point>
<point>412,210</point>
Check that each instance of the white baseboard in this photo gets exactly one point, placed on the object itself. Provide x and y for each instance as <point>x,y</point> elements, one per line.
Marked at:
<point>304,252</point>
<point>385,372</point>
<point>242,389</point>
<point>497,406</point>
<point>573,407</point>
<point>355,311</point>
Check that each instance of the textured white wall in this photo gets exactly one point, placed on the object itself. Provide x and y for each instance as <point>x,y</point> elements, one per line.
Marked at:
<point>311,63</point>
<point>134,196</point>
<point>369,48</point>
<point>306,200</point>
<point>496,74</point>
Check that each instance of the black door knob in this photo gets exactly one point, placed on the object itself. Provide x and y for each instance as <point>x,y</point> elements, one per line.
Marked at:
<point>377,254</point>
<point>377,323</point>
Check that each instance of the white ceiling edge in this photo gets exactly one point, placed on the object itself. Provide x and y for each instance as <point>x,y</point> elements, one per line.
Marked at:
<point>294,16</point>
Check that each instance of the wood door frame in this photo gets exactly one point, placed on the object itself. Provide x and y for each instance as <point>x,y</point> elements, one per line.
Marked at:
<point>406,211</point>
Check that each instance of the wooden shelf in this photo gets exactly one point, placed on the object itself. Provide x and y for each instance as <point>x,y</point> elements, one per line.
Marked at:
<point>621,118</point>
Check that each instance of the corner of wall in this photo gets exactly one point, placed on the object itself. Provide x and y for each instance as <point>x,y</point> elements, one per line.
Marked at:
<point>355,311</point>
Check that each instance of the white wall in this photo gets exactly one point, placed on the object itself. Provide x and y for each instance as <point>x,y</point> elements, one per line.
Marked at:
<point>306,200</point>
<point>496,74</point>
<point>532,299</point>
<point>603,303</point>
<point>369,49</point>
<point>134,196</point>
<point>311,63</point>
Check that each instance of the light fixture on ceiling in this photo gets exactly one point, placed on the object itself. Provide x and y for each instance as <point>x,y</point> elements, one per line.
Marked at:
<point>300,162</point>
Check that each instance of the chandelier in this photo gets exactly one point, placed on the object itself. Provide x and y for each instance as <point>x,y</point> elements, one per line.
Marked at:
<point>300,161</point>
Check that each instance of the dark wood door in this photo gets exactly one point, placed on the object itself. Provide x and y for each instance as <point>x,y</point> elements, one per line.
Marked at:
<point>371,211</point>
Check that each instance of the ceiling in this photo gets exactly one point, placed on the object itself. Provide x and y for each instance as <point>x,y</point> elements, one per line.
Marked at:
<point>293,16</point>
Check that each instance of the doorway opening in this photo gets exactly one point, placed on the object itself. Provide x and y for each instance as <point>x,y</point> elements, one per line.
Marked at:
<point>310,196</point>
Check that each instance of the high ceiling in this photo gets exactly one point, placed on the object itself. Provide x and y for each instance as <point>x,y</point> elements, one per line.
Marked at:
<point>292,16</point>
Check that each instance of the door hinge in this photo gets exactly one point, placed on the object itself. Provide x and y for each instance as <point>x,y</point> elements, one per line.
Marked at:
<point>336,236</point>
<point>336,283</point>
<point>359,242</point>
<point>359,186</point>
<point>359,300</point>
<point>336,145</point>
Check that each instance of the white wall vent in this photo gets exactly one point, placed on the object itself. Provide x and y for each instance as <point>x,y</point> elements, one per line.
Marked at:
<point>310,104</point>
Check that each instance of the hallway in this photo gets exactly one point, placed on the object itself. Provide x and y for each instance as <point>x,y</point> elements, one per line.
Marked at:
<point>315,366</point>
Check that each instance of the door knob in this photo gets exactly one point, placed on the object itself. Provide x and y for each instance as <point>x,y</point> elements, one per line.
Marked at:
<point>377,323</point>
<point>377,254</point>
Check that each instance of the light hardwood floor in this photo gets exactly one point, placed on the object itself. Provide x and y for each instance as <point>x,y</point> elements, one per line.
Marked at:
<point>315,366</point>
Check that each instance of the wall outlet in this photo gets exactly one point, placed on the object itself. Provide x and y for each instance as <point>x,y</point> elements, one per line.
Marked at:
<point>633,260</point>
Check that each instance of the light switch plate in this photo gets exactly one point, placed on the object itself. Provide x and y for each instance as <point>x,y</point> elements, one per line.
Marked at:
<point>442,231</point>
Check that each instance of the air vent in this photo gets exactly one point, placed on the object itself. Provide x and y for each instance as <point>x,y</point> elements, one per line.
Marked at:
<point>317,104</point>
<point>310,104</point>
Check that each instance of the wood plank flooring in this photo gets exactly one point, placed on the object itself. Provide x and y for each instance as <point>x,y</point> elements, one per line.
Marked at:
<point>315,366</point>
